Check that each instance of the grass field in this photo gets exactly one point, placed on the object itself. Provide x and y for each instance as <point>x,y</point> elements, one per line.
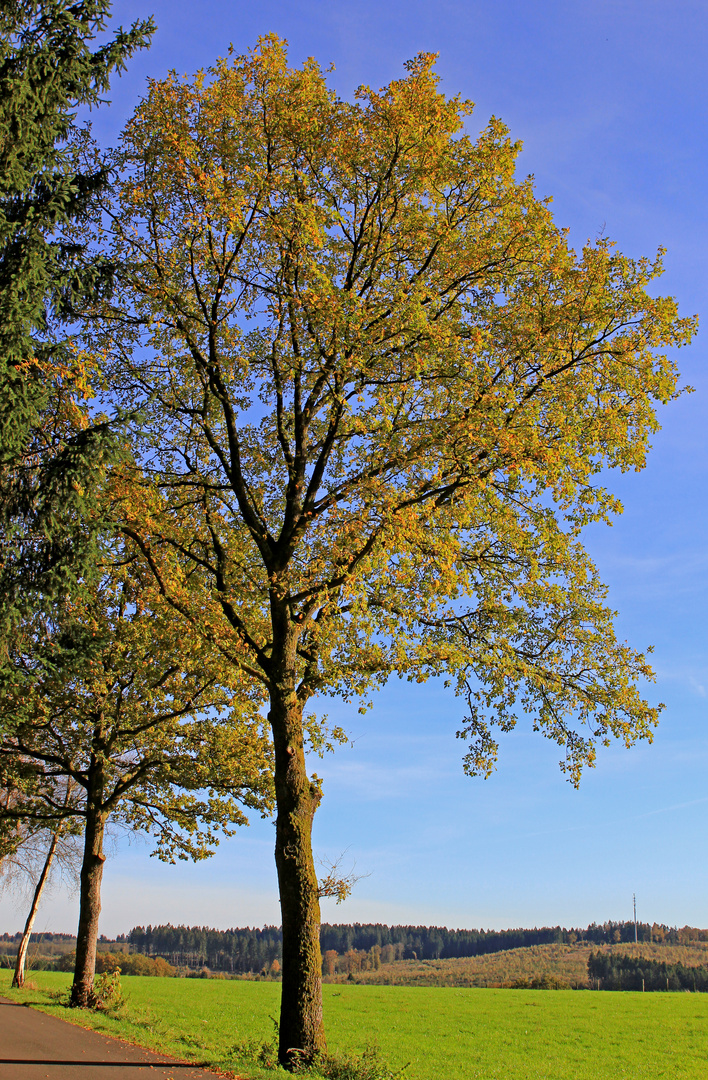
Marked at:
<point>443,1033</point>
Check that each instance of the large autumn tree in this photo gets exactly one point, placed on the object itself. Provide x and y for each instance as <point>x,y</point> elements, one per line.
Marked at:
<point>378,388</point>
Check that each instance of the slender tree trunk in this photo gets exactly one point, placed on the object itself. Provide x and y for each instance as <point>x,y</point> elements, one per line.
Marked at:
<point>301,1024</point>
<point>18,978</point>
<point>90,892</point>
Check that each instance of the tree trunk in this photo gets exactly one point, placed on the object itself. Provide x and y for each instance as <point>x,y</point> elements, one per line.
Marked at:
<point>90,892</point>
<point>18,978</point>
<point>301,1024</point>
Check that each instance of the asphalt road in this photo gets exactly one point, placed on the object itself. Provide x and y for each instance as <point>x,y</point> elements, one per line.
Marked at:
<point>34,1046</point>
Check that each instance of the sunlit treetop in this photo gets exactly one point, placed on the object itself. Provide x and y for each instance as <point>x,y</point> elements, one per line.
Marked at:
<point>378,389</point>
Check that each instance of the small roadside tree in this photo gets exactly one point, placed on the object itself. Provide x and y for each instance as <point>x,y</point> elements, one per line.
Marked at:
<point>378,388</point>
<point>30,855</point>
<point>103,694</point>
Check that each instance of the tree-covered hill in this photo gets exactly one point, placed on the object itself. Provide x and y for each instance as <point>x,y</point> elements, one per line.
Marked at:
<point>246,949</point>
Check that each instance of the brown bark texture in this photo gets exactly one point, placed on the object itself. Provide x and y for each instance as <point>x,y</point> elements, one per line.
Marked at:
<point>301,1024</point>
<point>18,979</point>
<point>82,994</point>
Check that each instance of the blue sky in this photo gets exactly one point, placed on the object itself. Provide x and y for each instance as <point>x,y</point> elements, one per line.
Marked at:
<point>609,98</point>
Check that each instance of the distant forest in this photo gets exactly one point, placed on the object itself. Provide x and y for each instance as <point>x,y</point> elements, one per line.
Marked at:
<point>246,949</point>
<point>606,972</point>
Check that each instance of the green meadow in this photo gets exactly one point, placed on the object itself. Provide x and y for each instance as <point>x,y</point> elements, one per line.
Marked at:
<point>440,1033</point>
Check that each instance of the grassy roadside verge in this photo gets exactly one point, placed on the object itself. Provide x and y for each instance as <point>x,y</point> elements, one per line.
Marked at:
<point>444,1033</point>
<point>187,1025</point>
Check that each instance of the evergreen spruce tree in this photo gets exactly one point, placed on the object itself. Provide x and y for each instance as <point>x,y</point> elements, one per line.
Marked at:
<point>50,448</point>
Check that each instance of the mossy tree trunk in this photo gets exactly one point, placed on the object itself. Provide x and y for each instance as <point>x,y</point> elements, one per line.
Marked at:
<point>301,1024</point>
<point>90,889</point>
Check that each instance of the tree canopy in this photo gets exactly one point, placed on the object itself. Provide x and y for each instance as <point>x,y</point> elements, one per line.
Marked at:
<point>379,390</point>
